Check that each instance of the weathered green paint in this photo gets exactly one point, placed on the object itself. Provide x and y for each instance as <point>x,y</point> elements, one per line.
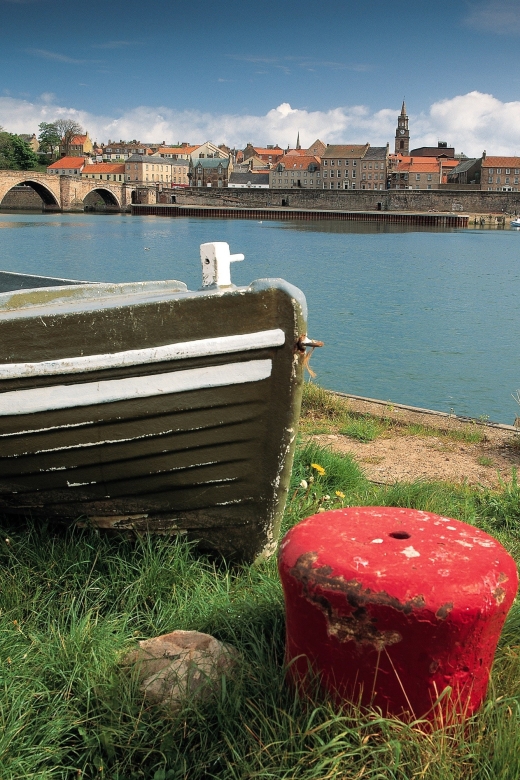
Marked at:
<point>213,462</point>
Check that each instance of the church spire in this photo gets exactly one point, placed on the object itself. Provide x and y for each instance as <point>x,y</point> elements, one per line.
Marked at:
<point>403,109</point>
<point>298,141</point>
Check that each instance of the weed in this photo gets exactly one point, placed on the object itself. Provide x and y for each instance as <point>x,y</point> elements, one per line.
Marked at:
<point>365,429</point>
<point>485,460</point>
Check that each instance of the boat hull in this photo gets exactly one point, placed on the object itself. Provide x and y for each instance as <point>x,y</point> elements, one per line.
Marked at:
<point>155,410</point>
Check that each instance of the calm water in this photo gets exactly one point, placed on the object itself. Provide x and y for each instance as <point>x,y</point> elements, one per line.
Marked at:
<point>411,316</point>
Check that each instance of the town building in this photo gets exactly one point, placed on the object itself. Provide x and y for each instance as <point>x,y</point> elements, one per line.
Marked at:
<point>421,173</point>
<point>146,169</point>
<point>374,168</point>
<point>79,146</point>
<point>182,152</point>
<point>317,148</point>
<point>466,173</point>
<point>250,180</point>
<point>269,154</point>
<point>208,151</point>
<point>122,150</point>
<point>67,166</point>
<point>500,174</point>
<point>441,150</point>
<point>295,170</point>
<point>104,171</point>
<point>210,172</point>
<point>31,141</point>
<point>341,166</point>
<point>402,133</point>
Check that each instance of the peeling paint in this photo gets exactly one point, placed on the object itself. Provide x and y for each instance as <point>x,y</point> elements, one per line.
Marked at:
<point>358,626</point>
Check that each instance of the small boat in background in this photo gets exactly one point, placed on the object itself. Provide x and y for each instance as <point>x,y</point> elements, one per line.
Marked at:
<point>515,222</point>
<point>147,407</point>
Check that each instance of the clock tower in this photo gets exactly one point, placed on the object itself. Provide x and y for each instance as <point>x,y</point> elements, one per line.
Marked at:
<point>402,134</point>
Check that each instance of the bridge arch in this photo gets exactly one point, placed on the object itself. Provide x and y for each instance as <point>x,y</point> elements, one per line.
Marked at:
<point>46,194</point>
<point>107,196</point>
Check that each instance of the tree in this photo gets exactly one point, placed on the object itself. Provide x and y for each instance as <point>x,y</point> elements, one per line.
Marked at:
<point>67,129</point>
<point>15,153</point>
<point>49,139</point>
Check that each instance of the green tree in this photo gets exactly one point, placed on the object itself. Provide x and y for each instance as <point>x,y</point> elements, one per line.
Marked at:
<point>49,139</point>
<point>67,129</point>
<point>15,153</point>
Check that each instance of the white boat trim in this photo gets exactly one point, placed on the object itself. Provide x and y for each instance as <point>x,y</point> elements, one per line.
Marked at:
<point>221,345</point>
<point>43,399</point>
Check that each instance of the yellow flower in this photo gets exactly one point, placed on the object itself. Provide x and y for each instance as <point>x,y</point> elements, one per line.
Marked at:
<point>340,494</point>
<point>318,468</point>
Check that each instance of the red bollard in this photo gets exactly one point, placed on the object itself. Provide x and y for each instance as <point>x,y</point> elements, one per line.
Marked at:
<point>392,606</point>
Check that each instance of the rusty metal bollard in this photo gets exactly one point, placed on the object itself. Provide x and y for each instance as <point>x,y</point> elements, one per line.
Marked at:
<point>396,608</point>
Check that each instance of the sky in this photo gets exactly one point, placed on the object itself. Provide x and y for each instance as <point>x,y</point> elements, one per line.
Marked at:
<point>236,71</point>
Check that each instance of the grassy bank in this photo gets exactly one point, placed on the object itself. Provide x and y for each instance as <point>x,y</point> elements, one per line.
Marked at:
<point>72,601</point>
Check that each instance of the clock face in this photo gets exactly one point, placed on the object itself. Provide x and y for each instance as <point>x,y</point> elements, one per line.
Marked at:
<point>401,131</point>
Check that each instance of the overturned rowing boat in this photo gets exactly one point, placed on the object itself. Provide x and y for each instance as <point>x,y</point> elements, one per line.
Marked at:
<point>148,407</point>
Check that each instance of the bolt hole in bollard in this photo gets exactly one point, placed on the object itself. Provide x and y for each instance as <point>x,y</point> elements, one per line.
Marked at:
<point>406,621</point>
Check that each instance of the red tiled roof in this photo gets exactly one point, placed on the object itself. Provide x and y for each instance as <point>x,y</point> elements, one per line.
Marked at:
<point>298,162</point>
<point>68,162</point>
<point>272,152</point>
<point>501,162</point>
<point>425,164</point>
<point>178,149</point>
<point>104,168</point>
<point>77,140</point>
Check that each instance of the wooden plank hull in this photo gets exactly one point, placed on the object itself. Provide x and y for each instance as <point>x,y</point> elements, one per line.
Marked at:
<point>153,409</point>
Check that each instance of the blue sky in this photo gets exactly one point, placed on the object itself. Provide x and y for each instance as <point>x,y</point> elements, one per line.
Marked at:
<point>237,71</point>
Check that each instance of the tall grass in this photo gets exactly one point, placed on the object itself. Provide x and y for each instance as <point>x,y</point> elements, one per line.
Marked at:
<point>72,602</point>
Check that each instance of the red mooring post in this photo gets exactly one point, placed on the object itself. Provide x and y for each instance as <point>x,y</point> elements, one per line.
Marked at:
<point>391,606</point>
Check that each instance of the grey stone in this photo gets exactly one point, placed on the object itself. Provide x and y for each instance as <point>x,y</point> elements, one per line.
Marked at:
<point>183,665</point>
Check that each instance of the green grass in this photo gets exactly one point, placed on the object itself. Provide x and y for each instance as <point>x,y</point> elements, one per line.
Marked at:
<point>72,602</point>
<point>325,412</point>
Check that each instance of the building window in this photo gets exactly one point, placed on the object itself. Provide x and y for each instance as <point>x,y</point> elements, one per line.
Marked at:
<point>417,177</point>
<point>429,177</point>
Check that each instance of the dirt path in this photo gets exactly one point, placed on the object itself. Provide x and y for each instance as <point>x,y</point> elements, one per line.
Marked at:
<point>397,456</point>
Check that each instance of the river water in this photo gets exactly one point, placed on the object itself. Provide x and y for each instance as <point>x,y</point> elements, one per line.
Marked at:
<point>414,316</point>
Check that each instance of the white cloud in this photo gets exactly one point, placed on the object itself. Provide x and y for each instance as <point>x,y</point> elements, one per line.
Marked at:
<point>57,57</point>
<point>495,16</point>
<point>470,122</point>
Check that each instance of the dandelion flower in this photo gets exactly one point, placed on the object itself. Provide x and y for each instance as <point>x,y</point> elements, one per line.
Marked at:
<point>318,468</point>
<point>340,494</point>
<point>303,484</point>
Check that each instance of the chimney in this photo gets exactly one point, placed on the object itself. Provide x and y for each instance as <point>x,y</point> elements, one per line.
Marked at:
<point>484,154</point>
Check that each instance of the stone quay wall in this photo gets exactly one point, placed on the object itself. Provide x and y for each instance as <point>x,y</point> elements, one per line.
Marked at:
<point>458,201</point>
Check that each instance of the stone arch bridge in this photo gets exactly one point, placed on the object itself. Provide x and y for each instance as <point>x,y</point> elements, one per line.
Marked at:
<point>67,193</point>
